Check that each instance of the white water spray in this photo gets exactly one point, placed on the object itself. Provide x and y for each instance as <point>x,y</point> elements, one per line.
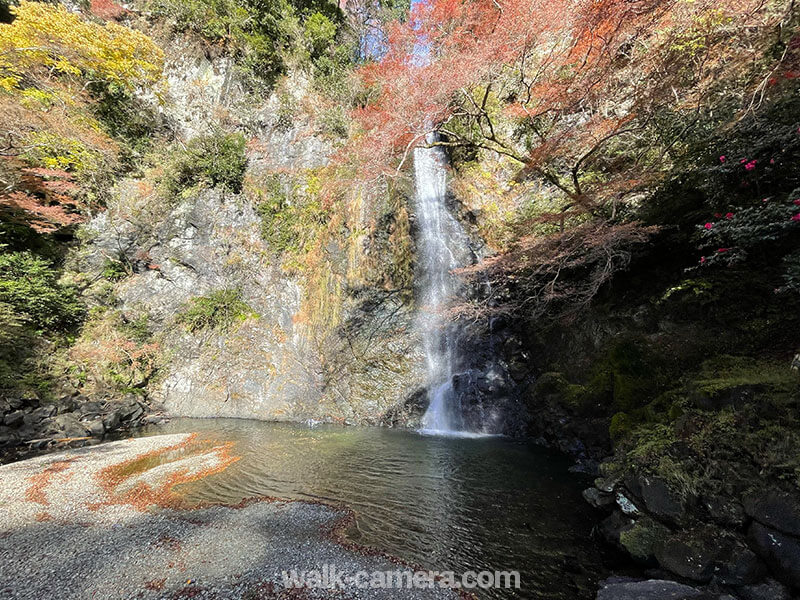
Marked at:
<point>443,246</point>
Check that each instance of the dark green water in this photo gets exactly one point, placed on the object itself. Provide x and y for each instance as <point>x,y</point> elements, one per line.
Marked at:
<point>455,504</point>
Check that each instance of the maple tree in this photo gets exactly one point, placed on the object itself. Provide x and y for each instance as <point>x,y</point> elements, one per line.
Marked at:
<point>595,99</point>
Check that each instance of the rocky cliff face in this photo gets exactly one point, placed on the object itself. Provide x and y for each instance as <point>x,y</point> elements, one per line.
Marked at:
<point>272,365</point>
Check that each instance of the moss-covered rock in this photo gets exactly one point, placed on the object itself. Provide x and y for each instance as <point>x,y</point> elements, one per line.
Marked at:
<point>643,537</point>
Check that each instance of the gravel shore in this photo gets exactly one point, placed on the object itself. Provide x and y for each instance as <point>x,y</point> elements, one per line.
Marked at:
<point>103,522</point>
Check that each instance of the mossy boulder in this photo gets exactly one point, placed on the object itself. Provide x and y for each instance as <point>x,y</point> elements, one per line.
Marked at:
<point>641,539</point>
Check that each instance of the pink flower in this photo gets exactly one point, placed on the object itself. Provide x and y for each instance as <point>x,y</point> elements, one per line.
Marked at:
<point>717,215</point>
<point>722,158</point>
<point>722,249</point>
<point>751,165</point>
<point>708,225</point>
<point>796,217</point>
<point>744,160</point>
<point>702,259</point>
<point>796,202</point>
<point>729,215</point>
<point>765,200</point>
<point>772,161</point>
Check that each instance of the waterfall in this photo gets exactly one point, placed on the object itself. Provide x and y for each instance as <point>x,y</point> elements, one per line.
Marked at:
<point>442,247</point>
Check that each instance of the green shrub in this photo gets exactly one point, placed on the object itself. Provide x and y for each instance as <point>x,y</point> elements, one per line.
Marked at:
<point>219,311</point>
<point>260,34</point>
<point>214,160</point>
<point>53,151</point>
<point>114,270</point>
<point>29,284</point>
<point>291,214</point>
<point>620,427</point>
<point>319,32</point>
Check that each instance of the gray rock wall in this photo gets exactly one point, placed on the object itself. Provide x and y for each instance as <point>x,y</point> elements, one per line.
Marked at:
<point>271,366</point>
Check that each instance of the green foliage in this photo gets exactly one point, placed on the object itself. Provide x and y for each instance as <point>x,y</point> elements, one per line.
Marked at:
<point>259,33</point>
<point>723,374</point>
<point>30,285</point>
<point>48,37</point>
<point>219,311</point>
<point>212,160</point>
<point>277,222</point>
<point>620,427</point>
<point>114,270</point>
<point>334,123</point>
<point>319,33</point>
<point>126,118</point>
<point>291,215</point>
<point>53,151</point>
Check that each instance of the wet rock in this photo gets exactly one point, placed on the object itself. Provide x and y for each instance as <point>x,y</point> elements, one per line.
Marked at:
<point>661,500</point>
<point>16,403</point>
<point>652,589</point>
<point>4,407</point>
<point>598,499</point>
<point>689,554</point>
<point>776,509</point>
<point>14,419</point>
<point>781,552</point>
<point>154,419</point>
<point>626,504</point>
<point>769,590</point>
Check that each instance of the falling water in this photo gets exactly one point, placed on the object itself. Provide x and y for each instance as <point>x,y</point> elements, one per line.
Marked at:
<point>442,248</point>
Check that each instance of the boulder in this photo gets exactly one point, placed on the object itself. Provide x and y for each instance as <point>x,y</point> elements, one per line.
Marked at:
<point>737,565</point>
<point>651,589</point>
<point>69,403</point>
<point>8,437</point>
<point>612,527</point>
<point>598,499</point>
<point>96,427</point>
<point>112,420</point>
<point>90,409</point>
<point>776,509</point>
<point>768,590</point>
<point>32,418</point>
<point>724,511</point>
<point>661,500</point>
<point>70,426</point>
<point>689,554</point>
<point>45,411</point>
<point>781,552</point>
<point>641,540</point>
<point>14,419</point>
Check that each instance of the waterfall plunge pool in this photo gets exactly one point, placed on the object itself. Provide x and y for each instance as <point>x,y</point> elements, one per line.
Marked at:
<point>445,503</point>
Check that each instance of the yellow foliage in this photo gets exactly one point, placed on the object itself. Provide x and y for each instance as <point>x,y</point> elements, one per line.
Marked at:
<point>46,38</point>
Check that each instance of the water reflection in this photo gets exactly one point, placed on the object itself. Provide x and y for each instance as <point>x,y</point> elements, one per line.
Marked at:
<point>444,503</point>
